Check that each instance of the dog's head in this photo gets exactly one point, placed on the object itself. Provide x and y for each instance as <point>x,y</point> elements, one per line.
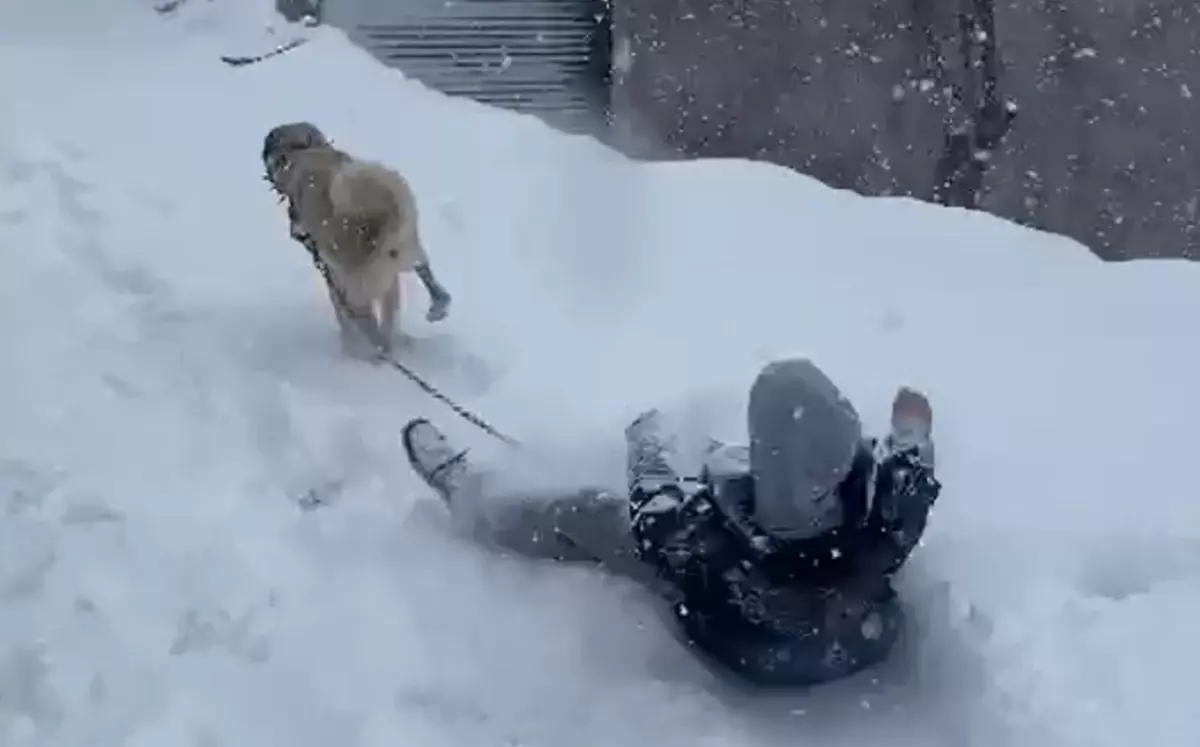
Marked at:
<point>284,140</point>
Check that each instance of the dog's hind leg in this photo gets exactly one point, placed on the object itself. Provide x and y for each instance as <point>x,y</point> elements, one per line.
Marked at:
<point>389,309</point>
<point>439,297</point>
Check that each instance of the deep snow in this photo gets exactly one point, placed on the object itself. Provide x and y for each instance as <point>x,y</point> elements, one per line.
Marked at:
<point>172,389</point>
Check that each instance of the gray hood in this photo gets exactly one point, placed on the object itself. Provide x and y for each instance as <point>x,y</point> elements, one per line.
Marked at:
<point>804,435</point>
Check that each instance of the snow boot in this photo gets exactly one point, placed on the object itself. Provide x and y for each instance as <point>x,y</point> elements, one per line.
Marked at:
<point>442,467</point>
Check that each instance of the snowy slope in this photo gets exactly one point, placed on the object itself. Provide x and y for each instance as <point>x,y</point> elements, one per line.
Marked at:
<point>172,388</point>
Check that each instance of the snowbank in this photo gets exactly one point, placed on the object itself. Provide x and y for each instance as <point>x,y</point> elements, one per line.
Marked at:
<point>172,388</point>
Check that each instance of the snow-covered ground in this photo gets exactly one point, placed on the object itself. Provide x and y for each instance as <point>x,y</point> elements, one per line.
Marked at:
<point>172,388</point>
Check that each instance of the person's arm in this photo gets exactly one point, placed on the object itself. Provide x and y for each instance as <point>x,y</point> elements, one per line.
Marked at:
<point>663,521</point>
<point>665,511</point>
<point>905,491</point>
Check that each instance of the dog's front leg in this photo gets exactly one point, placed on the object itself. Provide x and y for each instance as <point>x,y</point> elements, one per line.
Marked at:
<point>299,234</point>
<point>295,227</point>
<point>439,297</point>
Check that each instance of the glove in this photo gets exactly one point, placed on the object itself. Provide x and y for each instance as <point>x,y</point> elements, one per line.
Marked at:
<point>912,425</point>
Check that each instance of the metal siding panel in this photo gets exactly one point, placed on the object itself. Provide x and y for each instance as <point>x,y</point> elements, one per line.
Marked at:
<point>536,56</point>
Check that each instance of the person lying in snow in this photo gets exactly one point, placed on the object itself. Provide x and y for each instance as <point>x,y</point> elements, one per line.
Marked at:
<point>777,558</point>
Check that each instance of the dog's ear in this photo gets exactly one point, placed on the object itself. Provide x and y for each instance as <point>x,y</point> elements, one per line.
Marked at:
<point>274,165</point>
<point>272,141</point>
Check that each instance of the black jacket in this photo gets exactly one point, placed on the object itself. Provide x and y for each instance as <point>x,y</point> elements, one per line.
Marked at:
<point>795,612</point>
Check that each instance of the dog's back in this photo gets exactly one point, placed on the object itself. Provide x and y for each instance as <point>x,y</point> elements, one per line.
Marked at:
<point>362,213</point>
<point>370,190</point>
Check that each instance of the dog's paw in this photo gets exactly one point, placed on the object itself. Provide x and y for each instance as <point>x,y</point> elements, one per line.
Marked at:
<point>362,351</point>
<point>438,311</point>
<point>298,232</point>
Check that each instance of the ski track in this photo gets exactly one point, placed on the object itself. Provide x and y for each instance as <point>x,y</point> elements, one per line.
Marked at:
<point>208,535</point>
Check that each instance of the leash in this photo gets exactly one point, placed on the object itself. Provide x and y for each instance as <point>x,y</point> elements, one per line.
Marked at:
<point>383,355</point>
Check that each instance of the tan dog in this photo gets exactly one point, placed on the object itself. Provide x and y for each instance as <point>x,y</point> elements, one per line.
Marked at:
<point>360,219</point>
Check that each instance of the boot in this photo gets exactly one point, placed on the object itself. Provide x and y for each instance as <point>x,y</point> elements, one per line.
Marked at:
<point>442,466</point>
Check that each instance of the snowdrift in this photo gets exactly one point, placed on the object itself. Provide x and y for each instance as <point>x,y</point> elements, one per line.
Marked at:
<point>172,393</point>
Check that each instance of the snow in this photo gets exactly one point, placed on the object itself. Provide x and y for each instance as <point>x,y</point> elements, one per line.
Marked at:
<point>173,389</point>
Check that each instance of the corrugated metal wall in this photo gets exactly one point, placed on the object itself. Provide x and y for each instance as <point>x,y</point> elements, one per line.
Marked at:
<point>545,57</point>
